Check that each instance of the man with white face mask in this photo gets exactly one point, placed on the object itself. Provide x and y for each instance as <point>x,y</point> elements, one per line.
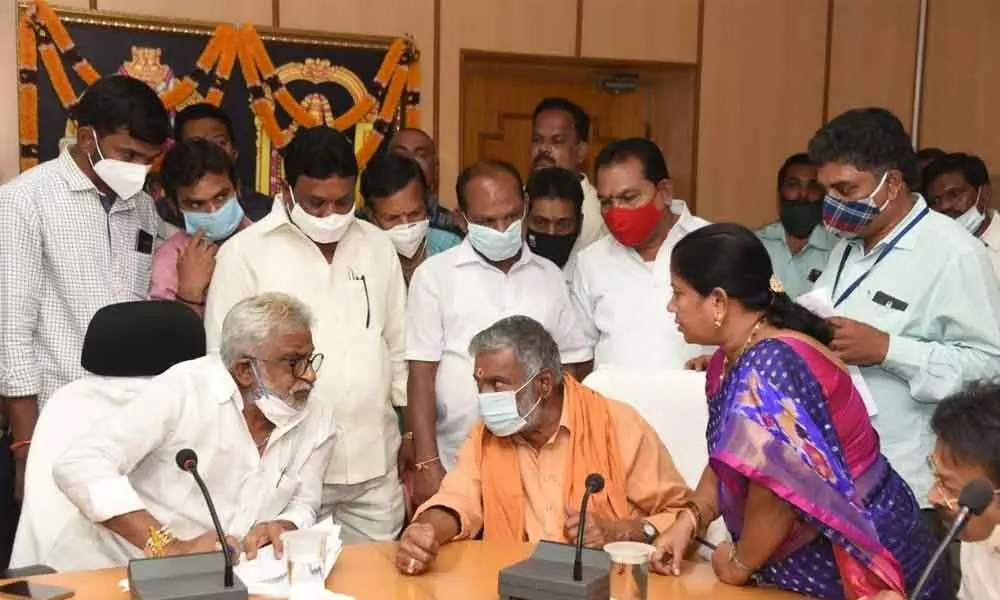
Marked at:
<point>262,444</point>
<point>521,472</point>
<point>958,185</point>
<point>454,295</point>
<point>347,272</point>
<point>395,193</point>
<point>76,234</point>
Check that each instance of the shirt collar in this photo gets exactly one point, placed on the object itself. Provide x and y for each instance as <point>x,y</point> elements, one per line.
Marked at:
<point>468,255</point>
<point>991,237</point>
<point>908,241</point>
<point>221,386</point>
<point>74,177</point>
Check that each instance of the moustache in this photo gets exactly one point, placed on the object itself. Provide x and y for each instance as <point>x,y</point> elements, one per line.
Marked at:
<point>300,394</point>
<point>543,157</point>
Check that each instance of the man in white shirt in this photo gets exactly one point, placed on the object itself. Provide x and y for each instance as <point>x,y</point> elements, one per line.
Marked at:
<point>120,362</point>
<point>458,293</point>
<point>262,446</point>
<point>621,283</point>
<point>958,185</point>
<point>560,131</point>
<point>76,234</point>
<point>347,272</point>
<point>967,426</point>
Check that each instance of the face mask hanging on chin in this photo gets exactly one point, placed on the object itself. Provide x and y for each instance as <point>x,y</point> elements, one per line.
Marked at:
<point>124,178</point>
<point>279,412</point>
<point>973,218</point>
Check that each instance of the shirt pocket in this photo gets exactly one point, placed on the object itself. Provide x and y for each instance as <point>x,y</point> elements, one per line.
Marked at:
<point>277,501</point>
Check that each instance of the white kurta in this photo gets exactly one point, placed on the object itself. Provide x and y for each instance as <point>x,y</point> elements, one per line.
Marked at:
<point>126,462</point>
<point>359,303</point>
<point>622,301</point>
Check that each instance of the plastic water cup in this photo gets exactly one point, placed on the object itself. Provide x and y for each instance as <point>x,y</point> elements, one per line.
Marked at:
<point>305,552</point>
<point>629,570</point>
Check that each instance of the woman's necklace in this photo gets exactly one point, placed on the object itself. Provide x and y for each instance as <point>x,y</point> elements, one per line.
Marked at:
<point>746,345</point>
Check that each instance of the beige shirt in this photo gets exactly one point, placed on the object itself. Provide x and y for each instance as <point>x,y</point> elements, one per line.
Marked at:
<point>981,567</point>
<point>991,237</point>
<point>359,302</point>
<point>593,226</point>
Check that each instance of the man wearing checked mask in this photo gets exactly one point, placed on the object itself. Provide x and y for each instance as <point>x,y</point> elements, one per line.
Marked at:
<point>456,294</point>
<point>621,282</point>
<point>917,305</point>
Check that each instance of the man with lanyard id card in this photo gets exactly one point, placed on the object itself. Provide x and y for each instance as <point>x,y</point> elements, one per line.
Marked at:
<point>919,312</point>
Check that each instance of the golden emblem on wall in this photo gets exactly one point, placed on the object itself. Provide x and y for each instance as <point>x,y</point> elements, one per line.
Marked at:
<point>315,71</point>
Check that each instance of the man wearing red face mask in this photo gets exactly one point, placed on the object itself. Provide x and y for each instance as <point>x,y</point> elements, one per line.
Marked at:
<point>621,282</point>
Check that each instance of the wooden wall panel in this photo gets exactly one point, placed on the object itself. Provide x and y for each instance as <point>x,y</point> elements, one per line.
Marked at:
<point>658,30</point>
<point>961,111</point>
<point>258,12</point>
<point>8,100</point>
<point>761,100</point>
<point>389,18</point>
<point>70,3</point>
<point>511,26</point>
<point>872,64</point>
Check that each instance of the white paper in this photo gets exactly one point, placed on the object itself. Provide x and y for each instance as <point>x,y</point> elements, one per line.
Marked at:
<point>268,576</point>
<point>820,301</point>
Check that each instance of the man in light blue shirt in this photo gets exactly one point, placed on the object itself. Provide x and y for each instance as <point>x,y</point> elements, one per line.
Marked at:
<point>799,249</point>
<point>920,309</point>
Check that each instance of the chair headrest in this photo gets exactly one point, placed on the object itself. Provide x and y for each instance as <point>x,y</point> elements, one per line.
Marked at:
<point>141,339</point>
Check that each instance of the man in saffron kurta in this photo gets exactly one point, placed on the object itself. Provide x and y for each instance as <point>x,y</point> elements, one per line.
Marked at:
<point>520,473</point>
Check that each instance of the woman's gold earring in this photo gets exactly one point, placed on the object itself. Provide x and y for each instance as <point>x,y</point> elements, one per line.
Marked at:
<point>718,321</point>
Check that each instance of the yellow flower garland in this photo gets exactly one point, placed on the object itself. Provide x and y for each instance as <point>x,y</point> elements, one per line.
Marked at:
<point>42,34</point>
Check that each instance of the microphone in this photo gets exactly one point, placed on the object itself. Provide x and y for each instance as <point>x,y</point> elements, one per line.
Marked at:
<point>546,574</point>
<point>594,484</point>
<point>973,500</point>
<point>187,460</point>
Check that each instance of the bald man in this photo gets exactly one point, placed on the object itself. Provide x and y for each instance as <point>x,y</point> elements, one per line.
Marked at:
<point>416,144</point>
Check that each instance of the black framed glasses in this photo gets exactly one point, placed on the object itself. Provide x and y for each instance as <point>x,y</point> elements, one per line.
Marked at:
<point>949,498</point>
<point>300,365</point>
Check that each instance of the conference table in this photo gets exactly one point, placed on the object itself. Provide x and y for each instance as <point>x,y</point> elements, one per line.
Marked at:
<point>466,570</point>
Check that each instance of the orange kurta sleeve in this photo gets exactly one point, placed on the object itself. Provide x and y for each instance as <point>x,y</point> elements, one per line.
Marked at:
<point>462,488</point>
<point>653,485</point>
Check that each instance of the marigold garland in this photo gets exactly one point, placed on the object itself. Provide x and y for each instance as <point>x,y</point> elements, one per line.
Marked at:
<point>42,34</point>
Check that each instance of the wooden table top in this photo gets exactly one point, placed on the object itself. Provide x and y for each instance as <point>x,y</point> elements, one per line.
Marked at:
<point>465,570</point>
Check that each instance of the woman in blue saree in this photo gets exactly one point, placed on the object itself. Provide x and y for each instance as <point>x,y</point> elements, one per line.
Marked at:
<point>794,468</point>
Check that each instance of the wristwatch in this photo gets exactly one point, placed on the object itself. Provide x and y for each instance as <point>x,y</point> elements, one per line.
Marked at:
<point>649,532</point>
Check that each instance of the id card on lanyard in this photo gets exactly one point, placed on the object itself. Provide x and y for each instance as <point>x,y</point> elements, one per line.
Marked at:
<point>885,251</point>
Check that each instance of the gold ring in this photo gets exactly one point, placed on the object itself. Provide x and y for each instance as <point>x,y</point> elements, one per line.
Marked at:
<point>412,566</point>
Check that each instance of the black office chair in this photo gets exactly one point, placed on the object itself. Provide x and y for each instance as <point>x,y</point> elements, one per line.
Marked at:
<point>130,339</point>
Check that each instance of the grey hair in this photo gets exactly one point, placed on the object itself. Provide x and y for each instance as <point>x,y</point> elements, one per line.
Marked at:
<point>253,320</point>
<point>533,346</point>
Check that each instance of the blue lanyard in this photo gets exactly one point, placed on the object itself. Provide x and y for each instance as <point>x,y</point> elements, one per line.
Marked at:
<point>885,251</point>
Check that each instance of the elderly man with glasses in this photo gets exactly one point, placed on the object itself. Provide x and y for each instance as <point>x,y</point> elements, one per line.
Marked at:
<point>262,445</point>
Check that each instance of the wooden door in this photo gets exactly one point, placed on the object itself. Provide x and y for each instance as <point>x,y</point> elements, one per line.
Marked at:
<point>500,94</point>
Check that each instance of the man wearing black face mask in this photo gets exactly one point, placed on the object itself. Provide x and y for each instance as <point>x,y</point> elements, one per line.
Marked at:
<point>798,244</point>
<point>555,215</point>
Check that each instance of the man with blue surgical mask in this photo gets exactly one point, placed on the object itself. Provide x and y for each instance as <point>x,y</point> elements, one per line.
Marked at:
<point>454,295</point>
<point>917,306</point>
<point>958,185</point>
<point>199,179</point>
<point>347,272</point>
<point>522,470</point>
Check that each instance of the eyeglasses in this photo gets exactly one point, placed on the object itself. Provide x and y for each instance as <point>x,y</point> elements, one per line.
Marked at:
<point>948,498</point>
<point>298,365</point>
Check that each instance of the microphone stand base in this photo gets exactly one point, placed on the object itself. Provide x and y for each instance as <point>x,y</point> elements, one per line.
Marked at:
<point>548,575</point>
<point>187,577</point>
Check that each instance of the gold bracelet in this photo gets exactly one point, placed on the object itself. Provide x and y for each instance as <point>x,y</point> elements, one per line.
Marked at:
<point>423,465</point>
<point>407,435</point>
<point>159,539</point>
